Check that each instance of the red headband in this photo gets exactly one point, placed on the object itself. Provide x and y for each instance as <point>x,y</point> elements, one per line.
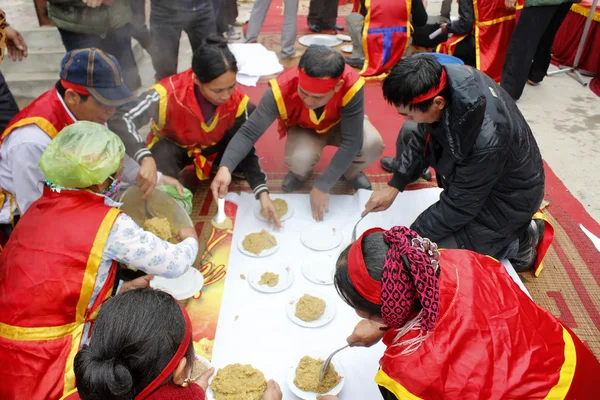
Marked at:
<point>316,85</point>
<point>366,286</point>
<point>434,91</point>
<point>79,89</point>
<point>172,365</point>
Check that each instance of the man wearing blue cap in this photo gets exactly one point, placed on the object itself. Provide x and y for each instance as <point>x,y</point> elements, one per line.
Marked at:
<point>90,89</point>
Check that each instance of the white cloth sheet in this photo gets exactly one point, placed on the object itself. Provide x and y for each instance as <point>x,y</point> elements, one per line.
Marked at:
<point>254,328</point>
<point>254,61</point>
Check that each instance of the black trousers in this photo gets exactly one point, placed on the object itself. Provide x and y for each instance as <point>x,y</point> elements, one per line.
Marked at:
<point>117,43</point>
<point>8,105</point>
<point>226,12</point>
<point>323,13</point>
<point>140,29</point>
<point>528,55</point>
<point>465,50</point>
<point>166,25</point>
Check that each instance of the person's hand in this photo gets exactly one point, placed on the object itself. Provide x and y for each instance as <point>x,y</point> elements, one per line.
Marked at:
<point>268,210</point>
<point>17,48</point>
<point>220,183</point>
<point>366,333</point>
<point>510,4</point>
<point>138,283</point>
<point>202,380</point>
<point>187,232</point>
<point>328,397</point>
<point>273,391</point>
<point>147,176</point>
<point>93,3</point>
<point>380,200</point>
<point>170,181</point>
<point>444,28</point>
<point>319,203</point>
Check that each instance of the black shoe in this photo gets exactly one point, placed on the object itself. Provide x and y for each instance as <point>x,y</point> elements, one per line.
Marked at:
<point>426,175</point>
<point>335,28</point>
<point>356,62</point>
<point>361,182</point>
<point>291,183</point>
<point>389,164</point>
<point>528,242</point>
<point>314,28</point>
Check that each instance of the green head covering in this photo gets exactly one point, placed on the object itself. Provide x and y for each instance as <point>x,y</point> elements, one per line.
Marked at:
<point>82,155</point>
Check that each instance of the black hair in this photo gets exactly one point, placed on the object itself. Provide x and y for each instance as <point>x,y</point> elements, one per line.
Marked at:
<point>374,252</point>
<point>212,59</point>
<point>133,339</point>
<point>412,77</point>
<point>62,91</point>
<point>322,62</point>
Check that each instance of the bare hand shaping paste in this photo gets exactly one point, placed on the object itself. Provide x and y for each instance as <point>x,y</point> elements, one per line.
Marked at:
<point>281,207</point>
<point>310,308</point>
<point>256,242</point>
<point>239,382</point>
<point>198,369</point>
<point>269,278</point>
<point>307,376</point>
<point>160,226</point>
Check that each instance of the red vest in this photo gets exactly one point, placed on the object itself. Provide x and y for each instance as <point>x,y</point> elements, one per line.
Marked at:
<point>47,274</point>
<point>491,342</point>
<point>493,28</point>
<point>293,112</point>
<point>386,34</point>
<point>181,121</point>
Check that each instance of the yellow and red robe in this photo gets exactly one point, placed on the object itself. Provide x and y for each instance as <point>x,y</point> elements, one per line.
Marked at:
<point>493,27</point>
<point>181,121</point>
<point>491,342</point>
<point>386,34</point>
<point>293,112</point>
<point>48,271</point>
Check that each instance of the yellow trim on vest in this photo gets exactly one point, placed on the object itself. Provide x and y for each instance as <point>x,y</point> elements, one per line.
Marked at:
<point>313,117</point>
<point>567,371</point>
<point>43,123</point>
<point>242,107</point>
<point>213,124</point>
<point>155,139</point>
<point>365,33</point>
<point>68,394</point>
<point>279,99</point>
<point>382,379</point>
<point>497,20</point>
<point>19,333</point>
<point>162,105</point>
<point>581,10</point>
<point>327,129</point>
<point>93,263</point>
<point>352,92</point>
<point>69,377</point>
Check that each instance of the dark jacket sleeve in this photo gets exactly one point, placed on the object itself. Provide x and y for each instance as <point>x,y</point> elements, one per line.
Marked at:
<point>250,165</point>
<point>466,19</point>
<point>471,185</point>
<point>412,161</point>
<point>129,118</point>
<point>418,14</point>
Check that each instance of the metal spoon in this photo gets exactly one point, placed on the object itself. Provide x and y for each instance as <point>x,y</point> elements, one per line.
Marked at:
<point>328,361</point>
<point>354,230</point>
<point>220,221</point>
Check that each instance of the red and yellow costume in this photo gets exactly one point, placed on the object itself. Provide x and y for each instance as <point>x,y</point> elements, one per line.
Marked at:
<point>293,112</point>
<point>47,275</point>
<point>493,27</point>
<point>48,113</point>
<point>181,120</point>
<point>386,34</point>
<point>491,341</point>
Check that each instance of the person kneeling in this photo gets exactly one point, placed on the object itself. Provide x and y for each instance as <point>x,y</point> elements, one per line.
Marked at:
<point>484,154</point>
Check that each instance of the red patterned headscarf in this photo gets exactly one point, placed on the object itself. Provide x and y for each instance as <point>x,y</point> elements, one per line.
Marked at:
<point>403,289</point>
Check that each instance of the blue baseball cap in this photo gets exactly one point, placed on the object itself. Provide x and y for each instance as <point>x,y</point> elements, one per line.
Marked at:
<point>99,73</point>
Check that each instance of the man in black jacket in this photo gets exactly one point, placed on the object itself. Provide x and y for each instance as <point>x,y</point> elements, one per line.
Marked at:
<point>485,156</point>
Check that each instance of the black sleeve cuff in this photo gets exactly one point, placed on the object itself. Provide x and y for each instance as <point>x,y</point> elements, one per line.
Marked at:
<point>141,153</point>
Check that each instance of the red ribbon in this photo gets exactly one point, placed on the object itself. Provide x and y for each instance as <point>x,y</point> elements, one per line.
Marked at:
<point>79,89</point>
<point>316,85</point>
<point>172,365</point>
<point>366,286</point>
<point>434,91</point>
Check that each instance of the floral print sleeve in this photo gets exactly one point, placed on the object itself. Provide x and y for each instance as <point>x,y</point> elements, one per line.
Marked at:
<point>129,244</point>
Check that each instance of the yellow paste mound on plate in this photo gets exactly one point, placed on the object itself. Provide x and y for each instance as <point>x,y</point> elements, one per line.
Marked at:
<point>239,382</point>
<point>310,308</point>
<point>269,278</point>
<point>256,242</point>
<point>307,376</point>
<point>160,226</point>
<point>281,206</point>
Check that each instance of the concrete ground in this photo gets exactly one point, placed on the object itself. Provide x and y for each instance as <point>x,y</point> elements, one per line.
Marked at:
<point>564,115</point>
